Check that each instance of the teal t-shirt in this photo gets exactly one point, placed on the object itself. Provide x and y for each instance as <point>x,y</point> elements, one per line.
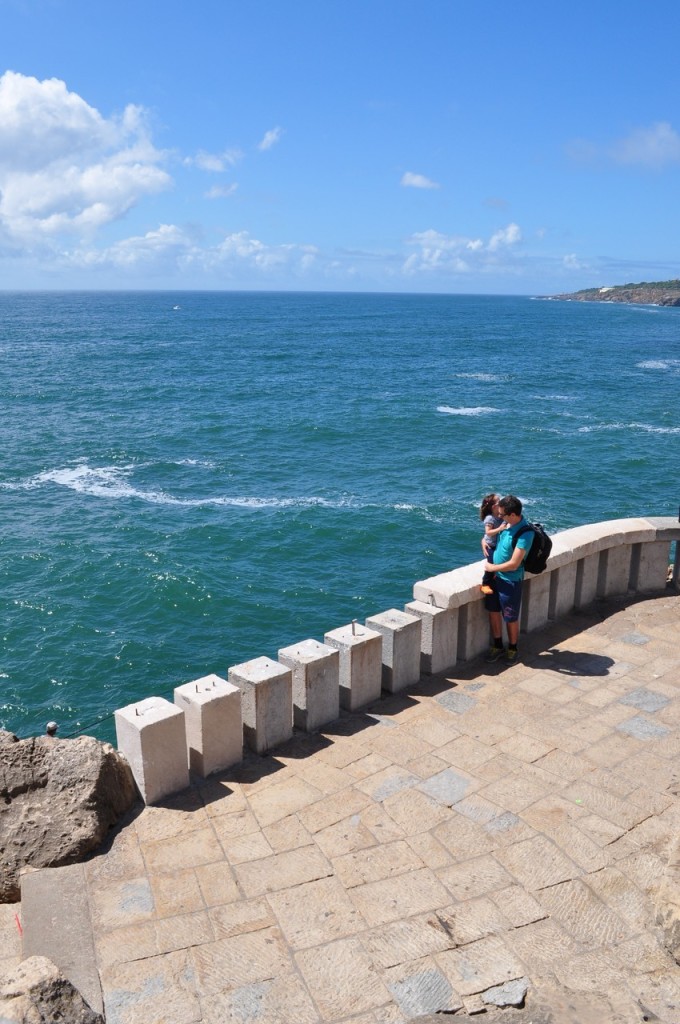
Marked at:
<point>504,549</point>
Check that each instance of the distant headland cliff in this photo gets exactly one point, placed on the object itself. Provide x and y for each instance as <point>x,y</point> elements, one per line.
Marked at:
<point>656,293</point>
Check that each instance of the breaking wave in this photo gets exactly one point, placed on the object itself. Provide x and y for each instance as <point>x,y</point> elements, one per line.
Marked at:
<point>646,427</point>
<point>489,378</point>
<point>113,482</point>
<point>659,364</point>
<point>475,410</point>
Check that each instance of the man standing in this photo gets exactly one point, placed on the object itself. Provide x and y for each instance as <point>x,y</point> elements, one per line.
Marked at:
<point>504,604</point>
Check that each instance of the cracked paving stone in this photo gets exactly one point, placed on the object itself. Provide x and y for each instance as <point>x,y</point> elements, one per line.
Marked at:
<point>513,993</point>
<point>480,965</point>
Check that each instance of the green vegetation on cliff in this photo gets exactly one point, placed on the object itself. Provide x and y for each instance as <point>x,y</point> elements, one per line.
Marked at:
<point>657,293</point>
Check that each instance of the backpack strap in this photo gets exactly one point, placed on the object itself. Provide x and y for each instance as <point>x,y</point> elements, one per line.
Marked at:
<point>525,529</point>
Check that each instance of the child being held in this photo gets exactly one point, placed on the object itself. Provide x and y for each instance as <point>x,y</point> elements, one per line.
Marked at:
<point>493,525</point>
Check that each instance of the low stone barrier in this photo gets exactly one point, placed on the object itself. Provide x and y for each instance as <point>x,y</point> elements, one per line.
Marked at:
<point>445,624</point>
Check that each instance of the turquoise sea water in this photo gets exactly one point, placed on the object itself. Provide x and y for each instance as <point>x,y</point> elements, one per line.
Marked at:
<point>193,480</point>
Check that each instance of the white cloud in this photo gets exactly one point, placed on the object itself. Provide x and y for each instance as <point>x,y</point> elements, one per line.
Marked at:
<point>270,138</point>
<point>240,247</point>
<point>42,121</point>
<point>132,253</point>
<point>215,162</point>
<point>221,191</point>
<point>506,236</point>
<point>572,262</point>
<point>170,250</point>
<point>63,166</point>
<point>655,146</point>
<point>435,251</point>
<point>411,180</point>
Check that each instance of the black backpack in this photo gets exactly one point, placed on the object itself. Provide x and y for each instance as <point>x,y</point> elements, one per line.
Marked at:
<point>541,546</point>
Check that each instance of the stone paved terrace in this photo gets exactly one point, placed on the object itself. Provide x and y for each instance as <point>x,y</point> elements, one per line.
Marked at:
<point>495,823</point>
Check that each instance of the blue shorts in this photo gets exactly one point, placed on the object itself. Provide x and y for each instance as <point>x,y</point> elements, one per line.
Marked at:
<point>506,598</point>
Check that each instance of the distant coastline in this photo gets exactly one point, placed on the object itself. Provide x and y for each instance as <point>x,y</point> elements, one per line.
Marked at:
<point>654,293</point>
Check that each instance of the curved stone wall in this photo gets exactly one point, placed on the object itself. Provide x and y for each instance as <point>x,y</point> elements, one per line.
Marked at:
<point>204,729</point>
<point>607,559</point>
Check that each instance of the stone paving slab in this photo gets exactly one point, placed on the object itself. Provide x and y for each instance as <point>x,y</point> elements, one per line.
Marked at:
<point>487,826</point>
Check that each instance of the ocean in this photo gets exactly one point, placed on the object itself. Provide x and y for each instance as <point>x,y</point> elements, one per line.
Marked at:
<point>193,480</point>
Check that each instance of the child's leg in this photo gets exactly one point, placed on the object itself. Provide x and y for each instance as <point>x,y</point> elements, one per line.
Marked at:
<point>487,583</point>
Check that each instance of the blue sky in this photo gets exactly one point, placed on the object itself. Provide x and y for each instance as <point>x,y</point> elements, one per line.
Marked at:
<point>355,145</point>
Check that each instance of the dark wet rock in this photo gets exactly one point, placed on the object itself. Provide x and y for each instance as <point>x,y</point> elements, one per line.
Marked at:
<point>58,800</point>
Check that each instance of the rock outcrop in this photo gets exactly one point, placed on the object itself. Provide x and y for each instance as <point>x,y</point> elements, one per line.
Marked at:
<point>36,992</point>
<point>58,799</point>
<point>658,293</point>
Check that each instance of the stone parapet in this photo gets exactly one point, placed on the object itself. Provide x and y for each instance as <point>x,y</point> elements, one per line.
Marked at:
<point>612,558</point>
<point>446,623</point>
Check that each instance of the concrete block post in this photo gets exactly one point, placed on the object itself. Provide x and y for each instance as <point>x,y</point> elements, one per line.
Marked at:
<point>614,572</point>
<point>266,701</point>
<point>439,636</point>
<point>401,635</point>
<point>360,652</point>
<point>652,570</point>
<point>474,632</point>
<point>315,668</point>
<point>151,735</point>
<point>587,575</point>
<point>212,712</point>
<point>562,590</point>
<point>535,601</point>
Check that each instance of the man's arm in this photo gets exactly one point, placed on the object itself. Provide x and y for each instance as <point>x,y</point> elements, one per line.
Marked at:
<point>518,556</point>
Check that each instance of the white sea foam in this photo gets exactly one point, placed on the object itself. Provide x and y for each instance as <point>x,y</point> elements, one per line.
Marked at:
<point>113,482</point>
<point>646,427</point>
<point>252,502</point>
<point>487,377</point>
<point>98,481</point>
<point>475,410</point>
<point>659,364</point>
<point>553,398</point>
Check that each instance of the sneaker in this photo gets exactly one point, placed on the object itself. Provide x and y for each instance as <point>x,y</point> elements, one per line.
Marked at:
<point>494,653</point>
<point>512,657</point>
<point>486,590</point>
